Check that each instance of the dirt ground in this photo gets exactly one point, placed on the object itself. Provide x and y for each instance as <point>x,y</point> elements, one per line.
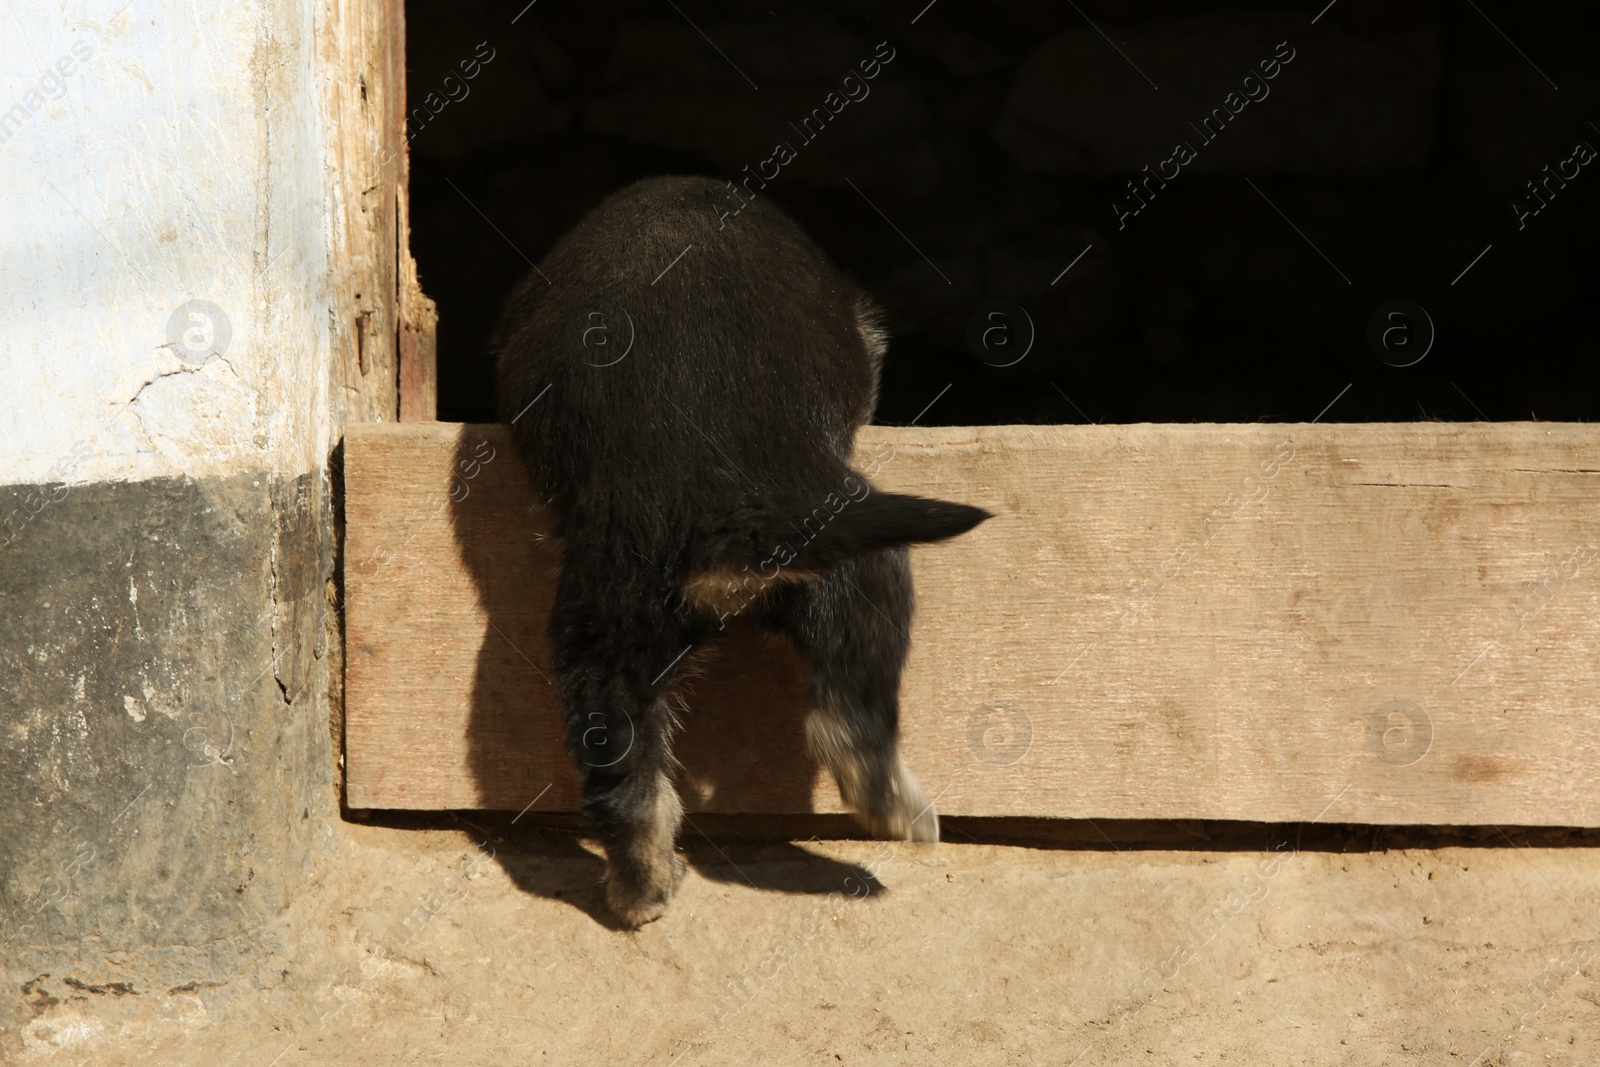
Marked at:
<point>480,944</point>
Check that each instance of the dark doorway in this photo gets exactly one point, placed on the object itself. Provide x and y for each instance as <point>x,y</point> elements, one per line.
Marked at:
<point>1377,211</point>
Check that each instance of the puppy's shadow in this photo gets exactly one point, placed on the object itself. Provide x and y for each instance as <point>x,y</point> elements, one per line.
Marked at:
<point>552,864</point>
<point>742,745</point>
<point>555,866</point>
<point>776,866</point>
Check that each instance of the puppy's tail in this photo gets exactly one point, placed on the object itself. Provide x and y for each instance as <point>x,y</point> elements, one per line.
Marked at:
<point>823,537</point>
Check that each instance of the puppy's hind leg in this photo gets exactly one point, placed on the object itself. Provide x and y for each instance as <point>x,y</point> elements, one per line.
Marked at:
<point>635,810</point>
<point>853,624</point>
<point>611,650</point>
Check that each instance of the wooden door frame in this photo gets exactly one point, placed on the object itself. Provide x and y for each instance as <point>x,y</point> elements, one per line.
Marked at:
<point>385,368</point>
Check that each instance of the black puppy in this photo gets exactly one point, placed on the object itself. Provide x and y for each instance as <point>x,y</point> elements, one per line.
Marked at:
<point>684,388</point>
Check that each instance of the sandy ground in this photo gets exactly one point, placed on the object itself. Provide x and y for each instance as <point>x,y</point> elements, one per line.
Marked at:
<point>418,946</point>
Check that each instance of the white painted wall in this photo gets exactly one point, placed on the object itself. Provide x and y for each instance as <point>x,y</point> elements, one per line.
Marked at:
<point>155,152</point>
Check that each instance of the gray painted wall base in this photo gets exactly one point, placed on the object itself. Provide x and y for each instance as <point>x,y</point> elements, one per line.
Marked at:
<point>164,739</point>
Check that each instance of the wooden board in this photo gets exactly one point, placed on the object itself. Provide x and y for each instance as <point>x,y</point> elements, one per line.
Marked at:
<point>1353,623</point>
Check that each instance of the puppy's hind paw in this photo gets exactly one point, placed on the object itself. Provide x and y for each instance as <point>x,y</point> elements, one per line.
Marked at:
<point>921,822</point>
<point>925,826</point>
<point>634,901</point>
<point>906,814</point>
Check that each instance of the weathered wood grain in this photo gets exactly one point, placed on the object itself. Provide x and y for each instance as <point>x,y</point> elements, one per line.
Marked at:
<point>1354,623</point>
<point>362,46</point>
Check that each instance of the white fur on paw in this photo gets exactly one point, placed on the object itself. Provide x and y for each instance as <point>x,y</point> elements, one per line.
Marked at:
<point>633,910</point>
<point>632,914</point>
<point>914,818</point>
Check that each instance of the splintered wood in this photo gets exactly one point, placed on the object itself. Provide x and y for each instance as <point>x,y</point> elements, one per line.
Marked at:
<point>1348,623</point>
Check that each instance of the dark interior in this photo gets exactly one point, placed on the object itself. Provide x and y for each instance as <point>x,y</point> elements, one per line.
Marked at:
<point>1388,211</point>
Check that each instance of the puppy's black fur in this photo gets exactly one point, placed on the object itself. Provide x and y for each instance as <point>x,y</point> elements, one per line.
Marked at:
<point>684,390</point>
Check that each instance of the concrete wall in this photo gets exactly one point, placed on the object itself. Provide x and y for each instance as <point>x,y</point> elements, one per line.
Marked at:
<point>167,341</point>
